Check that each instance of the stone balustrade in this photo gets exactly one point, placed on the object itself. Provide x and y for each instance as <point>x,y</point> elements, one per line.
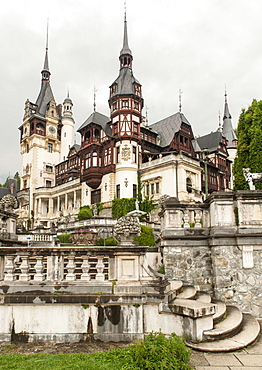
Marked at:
<point>46,264</point>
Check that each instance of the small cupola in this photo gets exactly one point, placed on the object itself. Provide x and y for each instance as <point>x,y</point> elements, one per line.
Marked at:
<point>67,104</point>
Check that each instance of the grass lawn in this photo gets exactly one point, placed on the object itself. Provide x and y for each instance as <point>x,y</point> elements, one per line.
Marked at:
<point>96,361</point>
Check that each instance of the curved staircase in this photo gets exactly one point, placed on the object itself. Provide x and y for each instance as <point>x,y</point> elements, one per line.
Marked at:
<point>232,329</point>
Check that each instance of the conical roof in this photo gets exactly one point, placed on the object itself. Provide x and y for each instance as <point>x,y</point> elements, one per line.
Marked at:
<point>227,130</point>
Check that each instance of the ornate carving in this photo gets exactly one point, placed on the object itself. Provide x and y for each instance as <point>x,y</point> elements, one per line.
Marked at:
<point>8,202</point>
<point>126,153</point>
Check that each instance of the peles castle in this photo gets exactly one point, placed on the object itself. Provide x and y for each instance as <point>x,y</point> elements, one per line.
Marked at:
<point>59,176</point>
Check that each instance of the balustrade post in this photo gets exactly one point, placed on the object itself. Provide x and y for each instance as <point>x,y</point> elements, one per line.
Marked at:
<point>71,267</point>
<point>9,267</point>
<point>198,218</point>
<point>24,267</point>
<point>186,219</point>
<point>100,268</point>
<point>85,269</point>
<point>39,268</point>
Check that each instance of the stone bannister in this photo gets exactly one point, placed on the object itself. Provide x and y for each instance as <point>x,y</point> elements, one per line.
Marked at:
<point>76,269</point>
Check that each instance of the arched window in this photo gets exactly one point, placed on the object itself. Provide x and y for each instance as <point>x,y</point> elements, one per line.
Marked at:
<point>88,160</point>
<point>87,135</point>
<point>95,159</point>
<point>189,185</point>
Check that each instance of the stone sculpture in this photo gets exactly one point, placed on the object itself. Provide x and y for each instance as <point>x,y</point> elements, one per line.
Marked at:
<point>252,178</point>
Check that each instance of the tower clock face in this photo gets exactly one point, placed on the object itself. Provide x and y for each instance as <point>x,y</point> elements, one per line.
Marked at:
<point>52,129</point>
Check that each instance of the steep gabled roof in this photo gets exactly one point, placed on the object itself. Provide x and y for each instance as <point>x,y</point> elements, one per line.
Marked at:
<point>167,127</point>
<point>98,119</point>
<point>210,141</point>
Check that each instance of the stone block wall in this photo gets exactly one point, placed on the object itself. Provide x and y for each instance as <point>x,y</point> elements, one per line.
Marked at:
<point>223,257</point>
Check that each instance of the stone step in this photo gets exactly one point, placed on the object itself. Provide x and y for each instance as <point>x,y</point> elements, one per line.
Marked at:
<point>188,292</point>
<point>203,297</point>
<point>248,334</point>
<point>220,311</point>
<point>227,327</point>
<point>172,289</point>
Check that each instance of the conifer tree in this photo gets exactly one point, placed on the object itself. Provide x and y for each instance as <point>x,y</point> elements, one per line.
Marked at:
<point>249,149</point>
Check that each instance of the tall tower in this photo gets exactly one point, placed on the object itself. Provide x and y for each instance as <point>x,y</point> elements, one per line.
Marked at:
<point>126,104</point>
<point>229,132</point>
<point>40,140</point>
<point>67,131</point>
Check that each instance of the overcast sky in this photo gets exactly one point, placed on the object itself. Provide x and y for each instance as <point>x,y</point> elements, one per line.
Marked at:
<point>197,46</point>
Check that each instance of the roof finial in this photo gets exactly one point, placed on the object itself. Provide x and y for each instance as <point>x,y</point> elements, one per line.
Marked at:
<point>225,93</point>
<point>180,100</point>
<point>147,116</point>
<point>47,31</point>
<point>95,90</point>
<point>219,122</point>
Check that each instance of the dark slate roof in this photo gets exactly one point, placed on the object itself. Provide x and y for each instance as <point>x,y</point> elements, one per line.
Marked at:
<point>210,141</point>
<point>125,82</point>
<point>167,127</point>
<point>99,119</point>
<point>76,147</point>
<point>44,97</point>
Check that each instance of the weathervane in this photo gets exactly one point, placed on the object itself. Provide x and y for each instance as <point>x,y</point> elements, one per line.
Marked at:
<point>95,90</point>
<point>180,100</point>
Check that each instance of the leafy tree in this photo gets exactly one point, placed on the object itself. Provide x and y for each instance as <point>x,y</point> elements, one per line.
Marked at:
<point>249,149</point>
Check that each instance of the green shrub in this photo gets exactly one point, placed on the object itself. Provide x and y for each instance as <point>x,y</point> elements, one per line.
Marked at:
<point>64,238</point>
<point>155,352</point>
<point>146,237</point>
<point>108,241</point>
<point>84,213</point>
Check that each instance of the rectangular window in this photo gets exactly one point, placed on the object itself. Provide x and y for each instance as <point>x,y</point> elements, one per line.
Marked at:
<point>147,189</point>
<point>118,191</point>
<point>96,196</point>
<point>50,148</point>
<point>48,183</point>
<point>152,188</point>
<point>134,155</point>
<point>118,154</point>
<point>157,187</point>
<point>134,190</point>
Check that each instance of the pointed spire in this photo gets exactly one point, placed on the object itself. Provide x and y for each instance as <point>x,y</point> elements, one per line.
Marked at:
<point>45,72</point>
<point>125,49</point>
<point>226,110</point>
<point>125,54</point>
<point>227,128</point>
